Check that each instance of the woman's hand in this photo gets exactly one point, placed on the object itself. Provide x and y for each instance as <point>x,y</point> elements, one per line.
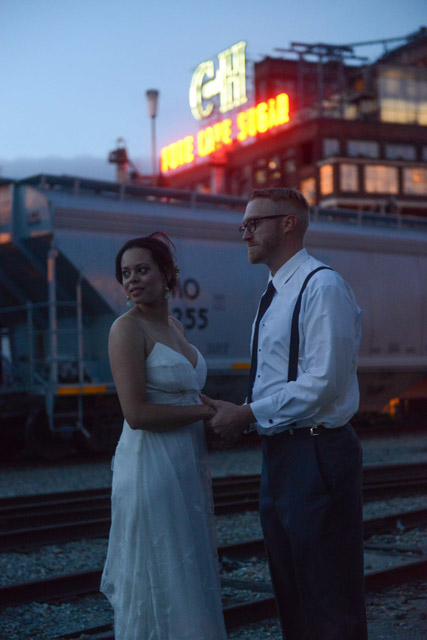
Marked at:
<point>210,412</point>
<point>214,438</point>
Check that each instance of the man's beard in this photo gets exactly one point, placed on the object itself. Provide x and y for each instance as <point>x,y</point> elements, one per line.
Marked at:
<point>260,254</point>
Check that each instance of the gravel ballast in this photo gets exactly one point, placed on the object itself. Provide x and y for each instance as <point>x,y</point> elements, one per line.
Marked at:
<point>31,479</point>
<point>394,614</point>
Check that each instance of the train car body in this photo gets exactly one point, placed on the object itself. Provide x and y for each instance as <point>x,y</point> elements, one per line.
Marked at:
<point>58,240</point>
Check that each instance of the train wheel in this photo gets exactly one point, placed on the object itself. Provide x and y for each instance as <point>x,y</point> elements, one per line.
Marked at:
<point>40,440</point>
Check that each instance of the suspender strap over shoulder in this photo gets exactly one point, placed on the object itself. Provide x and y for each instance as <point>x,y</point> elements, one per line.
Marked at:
<point>294,344</point>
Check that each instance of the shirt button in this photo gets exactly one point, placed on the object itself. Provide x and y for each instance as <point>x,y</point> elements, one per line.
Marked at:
<point>270,421</point>
<point>259,375</point>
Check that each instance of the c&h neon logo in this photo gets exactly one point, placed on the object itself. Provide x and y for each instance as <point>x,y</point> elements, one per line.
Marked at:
<point>229,82</point>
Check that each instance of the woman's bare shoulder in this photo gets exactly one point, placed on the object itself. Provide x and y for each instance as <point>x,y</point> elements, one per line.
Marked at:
<point>127,327</point>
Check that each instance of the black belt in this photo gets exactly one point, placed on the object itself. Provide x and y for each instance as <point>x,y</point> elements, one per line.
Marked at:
<point>304,431</point>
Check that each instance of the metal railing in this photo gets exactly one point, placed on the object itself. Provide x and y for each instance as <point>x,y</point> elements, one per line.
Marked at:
<point>79,186</point>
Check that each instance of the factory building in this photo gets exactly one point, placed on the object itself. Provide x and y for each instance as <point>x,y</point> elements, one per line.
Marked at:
<point>348,134</point>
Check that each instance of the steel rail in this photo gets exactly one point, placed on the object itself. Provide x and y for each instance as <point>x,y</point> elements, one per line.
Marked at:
<point>50,518</point>
<point>379,477</point>
<point>76,584</point>
<point>371,526</point>
<point>51,513</point>
<point>243,613</point>
<point>373,476</point>
<point>80,584</point>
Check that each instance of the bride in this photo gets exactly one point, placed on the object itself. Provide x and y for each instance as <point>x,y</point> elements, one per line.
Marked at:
<point>161,573</point>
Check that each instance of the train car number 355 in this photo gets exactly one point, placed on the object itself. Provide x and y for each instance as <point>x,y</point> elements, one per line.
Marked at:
<point>192,317</point>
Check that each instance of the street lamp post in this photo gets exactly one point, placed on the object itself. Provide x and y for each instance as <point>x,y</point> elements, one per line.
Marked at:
<point>152,104</point>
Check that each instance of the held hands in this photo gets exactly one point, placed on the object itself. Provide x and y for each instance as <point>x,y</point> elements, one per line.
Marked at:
<point>210,412</point>
<point>229,420</point>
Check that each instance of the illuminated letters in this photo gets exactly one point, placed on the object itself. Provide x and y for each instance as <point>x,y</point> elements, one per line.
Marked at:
<point>232,70</point>
<point>282,108</point>
<point>198,91</point>
<point>229,82</point>
<point>265,116</point>
<point>213,138</point>
<point>177,154</point>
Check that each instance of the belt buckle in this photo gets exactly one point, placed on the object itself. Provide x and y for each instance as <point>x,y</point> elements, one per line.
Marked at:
<point>314,431</point>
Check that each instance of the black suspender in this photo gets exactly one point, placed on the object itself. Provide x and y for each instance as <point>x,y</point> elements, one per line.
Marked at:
<point>294,344</point>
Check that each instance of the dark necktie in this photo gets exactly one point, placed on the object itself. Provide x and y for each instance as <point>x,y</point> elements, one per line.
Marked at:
<point>263,306</point>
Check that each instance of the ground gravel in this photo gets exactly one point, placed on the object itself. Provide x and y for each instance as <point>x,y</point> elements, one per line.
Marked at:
<point>86,555</point>
<point>43,477</point>
<point>52,560</point>
<point>40,621</point>
<point>395,614</point>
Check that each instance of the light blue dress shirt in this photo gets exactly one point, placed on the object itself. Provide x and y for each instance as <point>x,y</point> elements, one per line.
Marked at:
<point>326,390</point>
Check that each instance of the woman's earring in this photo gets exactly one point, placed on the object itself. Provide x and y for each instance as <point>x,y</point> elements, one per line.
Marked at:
<point>167,293</point>
<point>129,302</point>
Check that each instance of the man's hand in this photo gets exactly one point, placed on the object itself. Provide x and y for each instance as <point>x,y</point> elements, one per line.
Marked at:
<point>230,419</point>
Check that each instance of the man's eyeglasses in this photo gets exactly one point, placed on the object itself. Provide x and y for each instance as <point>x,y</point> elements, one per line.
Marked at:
<point>251,225</point>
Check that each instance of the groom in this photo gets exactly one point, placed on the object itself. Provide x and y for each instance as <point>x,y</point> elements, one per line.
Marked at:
<point>302,393</point>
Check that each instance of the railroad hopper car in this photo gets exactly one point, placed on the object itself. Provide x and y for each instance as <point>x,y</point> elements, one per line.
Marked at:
<point>58,295</point>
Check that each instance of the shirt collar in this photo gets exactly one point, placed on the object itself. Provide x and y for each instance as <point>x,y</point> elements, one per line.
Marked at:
<point>288,269</point>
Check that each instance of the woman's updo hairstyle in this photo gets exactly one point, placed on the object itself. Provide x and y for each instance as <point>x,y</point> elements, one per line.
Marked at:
<point>160,247</point>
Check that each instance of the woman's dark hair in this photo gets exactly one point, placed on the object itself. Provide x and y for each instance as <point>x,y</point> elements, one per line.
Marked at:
<point>160,247</point>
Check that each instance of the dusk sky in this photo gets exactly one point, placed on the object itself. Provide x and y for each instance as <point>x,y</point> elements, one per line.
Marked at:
<point>74,72</point>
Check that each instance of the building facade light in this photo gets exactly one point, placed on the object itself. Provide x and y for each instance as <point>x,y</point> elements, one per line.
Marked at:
<point>247,124</point>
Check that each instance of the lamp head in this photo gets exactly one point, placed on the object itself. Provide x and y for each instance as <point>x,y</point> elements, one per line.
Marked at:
<point>152,102</point>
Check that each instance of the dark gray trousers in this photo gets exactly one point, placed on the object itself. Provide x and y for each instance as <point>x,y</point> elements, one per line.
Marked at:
<point>311,515</point>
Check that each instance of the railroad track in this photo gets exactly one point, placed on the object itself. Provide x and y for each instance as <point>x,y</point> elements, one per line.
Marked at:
<point>242,614</point>
<point>28,521</point>
<point>248,612</point>
<point>83,583</point>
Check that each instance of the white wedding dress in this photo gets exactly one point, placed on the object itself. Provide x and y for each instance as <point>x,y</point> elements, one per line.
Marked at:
<point>161,573</point>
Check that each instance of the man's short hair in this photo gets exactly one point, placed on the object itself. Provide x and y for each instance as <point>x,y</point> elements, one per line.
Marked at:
<point>294,198</point>
<point>276,194</point>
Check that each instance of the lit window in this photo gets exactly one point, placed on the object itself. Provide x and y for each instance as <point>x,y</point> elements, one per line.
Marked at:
<point>380,179</point>
<point>274,163</point>
<point>400,152</point>
<point>326,179</point>
<point>331,147</point>
<point>403,93</point>
<point>362,148</point>
<point>349,177</point>
<point>415,181</point>
<point>308,189</point>
<point>261,176</point>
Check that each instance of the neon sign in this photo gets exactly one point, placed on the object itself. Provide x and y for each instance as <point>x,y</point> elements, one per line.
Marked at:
<point>229,82</point>
<point>259,119</point>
